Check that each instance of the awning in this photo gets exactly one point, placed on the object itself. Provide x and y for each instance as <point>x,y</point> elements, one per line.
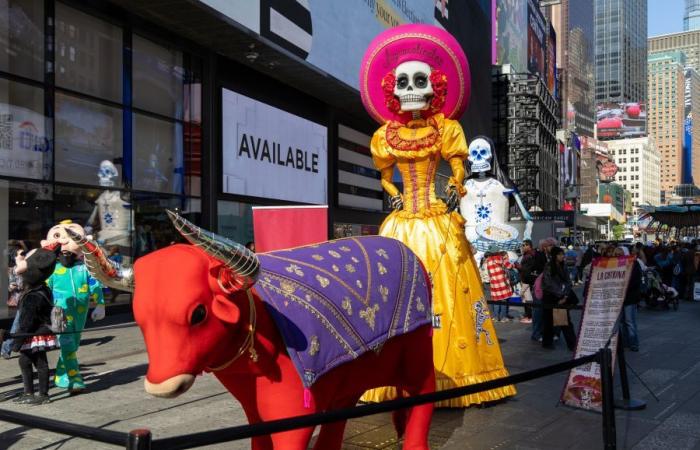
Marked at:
<point>684,219</point>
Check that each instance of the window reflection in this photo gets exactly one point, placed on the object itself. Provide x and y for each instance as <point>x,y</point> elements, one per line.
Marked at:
<point>235,221</point>
<point>158,78</point>
<point>87,133</point>
<point>22,38</point>
<point>88,54</point>
<point>153,227</point>
<point>158,155</point>
<point>25,149</point>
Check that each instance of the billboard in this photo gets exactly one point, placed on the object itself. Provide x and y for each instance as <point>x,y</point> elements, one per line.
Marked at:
<point>552,62</point>
<point>512,24</point>
<point>621,120</point>
<point>25,147</point>
<point>536,40</point>
<point>283,150</point>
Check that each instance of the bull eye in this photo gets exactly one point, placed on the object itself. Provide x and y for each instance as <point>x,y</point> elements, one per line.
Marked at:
<point>198,315</point>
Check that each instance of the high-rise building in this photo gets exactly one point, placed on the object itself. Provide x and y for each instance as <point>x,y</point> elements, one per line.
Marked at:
<point>687,42</point>
<point>666,113</point>
<point>620,51</point>
<point>638,161</point>
<point>574,26</point>
<point>691,19</point>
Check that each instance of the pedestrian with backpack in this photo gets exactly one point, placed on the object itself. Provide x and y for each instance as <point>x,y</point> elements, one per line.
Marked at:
<point>35,308</point>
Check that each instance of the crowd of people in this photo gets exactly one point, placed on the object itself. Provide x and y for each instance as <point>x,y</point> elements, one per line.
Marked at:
<point>545,276</point>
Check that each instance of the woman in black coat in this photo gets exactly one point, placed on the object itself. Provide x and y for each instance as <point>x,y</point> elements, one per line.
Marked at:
<point>557,290</point>
<point>35,309</point>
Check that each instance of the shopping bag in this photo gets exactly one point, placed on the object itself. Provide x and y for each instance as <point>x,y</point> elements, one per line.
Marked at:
<point>560,318</point>
<point>526,293</point>
<point>696,292</point>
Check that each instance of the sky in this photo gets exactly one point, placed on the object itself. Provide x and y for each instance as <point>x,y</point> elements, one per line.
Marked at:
<point>665,16</point>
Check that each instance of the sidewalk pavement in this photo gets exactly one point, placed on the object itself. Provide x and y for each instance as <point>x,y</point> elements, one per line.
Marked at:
<point>114,364</point>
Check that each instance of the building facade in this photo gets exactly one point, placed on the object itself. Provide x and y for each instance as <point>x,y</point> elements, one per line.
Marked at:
<point>691,18</point>
<point>639,165</point>
<point>176,95</point>
<point>687,42</point>
<point>573,22</point>
<point>525,121</point>
<point>620,51</point>
<point>666,115</point>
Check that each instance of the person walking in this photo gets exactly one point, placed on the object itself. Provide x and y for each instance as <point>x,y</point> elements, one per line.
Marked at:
<point>35,318</point>
<point>500,288</point>
<point>527,278</point>
<point>628,322</point>
<point>557,289</point>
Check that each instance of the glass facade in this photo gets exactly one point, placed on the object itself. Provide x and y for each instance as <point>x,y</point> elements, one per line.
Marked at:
<point>580,67</point>
<point>691,19</point>
<point>104,130</point>
<point>621,51</point>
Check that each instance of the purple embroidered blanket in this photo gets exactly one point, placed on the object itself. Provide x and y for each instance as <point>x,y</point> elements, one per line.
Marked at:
<point>334,301</point>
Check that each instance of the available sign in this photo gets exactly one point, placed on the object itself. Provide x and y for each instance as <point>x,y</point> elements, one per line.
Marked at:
<point>271,153</point>
<point>602,307</point>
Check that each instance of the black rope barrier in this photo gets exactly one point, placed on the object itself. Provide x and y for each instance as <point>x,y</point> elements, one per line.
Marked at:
<point>291,423</point>
<point>533,304</point>
<point>67,428</point>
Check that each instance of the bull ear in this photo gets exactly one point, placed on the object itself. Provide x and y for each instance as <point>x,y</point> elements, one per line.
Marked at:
<point>225,310</point>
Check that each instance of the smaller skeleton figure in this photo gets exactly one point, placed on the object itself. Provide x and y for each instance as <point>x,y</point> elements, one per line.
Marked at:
<point>586,398</point>
<point>482,315</point>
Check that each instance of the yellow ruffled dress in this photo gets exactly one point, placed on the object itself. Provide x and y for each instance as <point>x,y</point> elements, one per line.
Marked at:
<point>465,347</point>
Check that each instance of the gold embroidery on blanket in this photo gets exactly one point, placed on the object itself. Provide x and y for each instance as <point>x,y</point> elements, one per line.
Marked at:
<point>369,314</point>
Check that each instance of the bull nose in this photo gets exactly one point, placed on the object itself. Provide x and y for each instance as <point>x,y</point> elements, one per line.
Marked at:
<point>170,388</point>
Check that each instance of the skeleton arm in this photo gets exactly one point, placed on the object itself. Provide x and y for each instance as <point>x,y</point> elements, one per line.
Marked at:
<point>390,188</point>
<point>526,214</point>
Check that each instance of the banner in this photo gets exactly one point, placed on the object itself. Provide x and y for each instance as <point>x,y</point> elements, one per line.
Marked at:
<point>606,293</point>
<point>270,153</point>
<point>282,227</point>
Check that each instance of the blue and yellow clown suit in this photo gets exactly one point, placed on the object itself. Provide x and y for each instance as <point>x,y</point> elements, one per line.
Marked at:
<point>73,290</point>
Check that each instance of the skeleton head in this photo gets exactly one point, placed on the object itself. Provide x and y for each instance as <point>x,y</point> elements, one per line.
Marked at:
<point>480,155</point>
<point>413,87</point>
<point>106,173</point>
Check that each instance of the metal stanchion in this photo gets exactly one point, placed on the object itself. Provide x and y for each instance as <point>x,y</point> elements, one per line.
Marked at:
<point>627,403</point>
<point>606,379</point>
<point>139,439</point>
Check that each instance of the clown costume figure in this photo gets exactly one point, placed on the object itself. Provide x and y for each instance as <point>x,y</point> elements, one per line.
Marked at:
<point>414,80</point>
<point>73,290</point>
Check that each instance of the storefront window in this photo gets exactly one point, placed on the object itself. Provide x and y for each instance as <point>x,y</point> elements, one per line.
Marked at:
<point>88,54</point>
<point>235,221</point>
<point>25,217</point>
<point>25,149</point>
<point>158,78</point>
<point>22,38</point>
<point>153,227</point>
<point>158,155</point>
<point>87,133</point>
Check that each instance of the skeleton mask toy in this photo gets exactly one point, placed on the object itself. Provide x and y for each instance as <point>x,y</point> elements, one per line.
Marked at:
<point>480,155</point>
<point>106,173</point>
<point>413,87</point>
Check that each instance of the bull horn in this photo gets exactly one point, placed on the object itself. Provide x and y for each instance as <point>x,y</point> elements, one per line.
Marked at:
<point>102,269</point>
<point>243,264</point>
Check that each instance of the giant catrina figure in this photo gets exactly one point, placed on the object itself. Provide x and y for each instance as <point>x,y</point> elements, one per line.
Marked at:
<point>414,80</point>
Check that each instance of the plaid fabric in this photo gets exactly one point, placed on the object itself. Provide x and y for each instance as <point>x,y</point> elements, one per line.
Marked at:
<point>499,285</point>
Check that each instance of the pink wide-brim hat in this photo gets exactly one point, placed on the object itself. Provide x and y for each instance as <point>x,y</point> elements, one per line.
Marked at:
<point>414,42</point>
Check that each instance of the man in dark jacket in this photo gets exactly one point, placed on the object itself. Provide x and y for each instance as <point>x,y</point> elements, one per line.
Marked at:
<point>531,268</point>
<point>628,321</point>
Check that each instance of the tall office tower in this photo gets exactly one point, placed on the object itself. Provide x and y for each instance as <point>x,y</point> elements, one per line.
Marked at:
<point>573,22</point>
<point>691,19</point>
<point>666,113</point>
<point>621,51</point>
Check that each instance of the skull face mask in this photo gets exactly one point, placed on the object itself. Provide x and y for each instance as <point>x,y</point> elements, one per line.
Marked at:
<point>106,173</point>
<point>413,87</point>
<point>480,154</point>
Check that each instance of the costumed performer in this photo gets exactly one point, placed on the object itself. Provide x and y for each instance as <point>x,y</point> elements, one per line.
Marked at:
<point>415,80</point>
<point>73,289</point>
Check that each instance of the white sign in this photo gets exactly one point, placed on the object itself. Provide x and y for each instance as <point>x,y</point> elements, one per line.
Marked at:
<point>606,295</point>
<point>271,153</point>
<point>24,149</point>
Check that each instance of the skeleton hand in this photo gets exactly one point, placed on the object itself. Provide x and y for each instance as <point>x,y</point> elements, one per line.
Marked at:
<point>452,198</point>
<point>396,202</point>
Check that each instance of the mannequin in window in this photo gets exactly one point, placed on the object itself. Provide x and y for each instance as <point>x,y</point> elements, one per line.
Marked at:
<point>115,214</point>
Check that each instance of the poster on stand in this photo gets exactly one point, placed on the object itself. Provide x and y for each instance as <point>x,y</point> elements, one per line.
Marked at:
<point>603,304</point>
